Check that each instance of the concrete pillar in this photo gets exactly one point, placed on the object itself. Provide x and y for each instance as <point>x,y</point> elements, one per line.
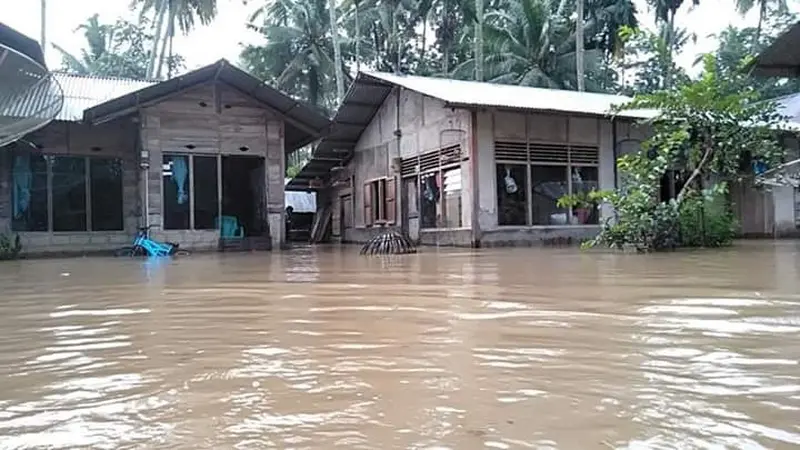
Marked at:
<point>151,142</point>
<point>784,206</point>
<point>606,179</point>
<point>5,190</point>
<point>275,188</point>
<point>487,192</point>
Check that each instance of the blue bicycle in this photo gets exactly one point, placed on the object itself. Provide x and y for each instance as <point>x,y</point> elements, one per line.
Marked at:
<point>143,245</point>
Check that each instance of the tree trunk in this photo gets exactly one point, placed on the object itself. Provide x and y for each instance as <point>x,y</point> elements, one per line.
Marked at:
<point>44,26</point>
<point>170,65</point>
<point>165,40</point>
<point>669,41</point>
<point>762,11</point>
<point>358,40</point>
<point>337,51</point>
<point>579,46</point>
<point>479,40</point>
<point>160,13</point>
<point>424,43</point>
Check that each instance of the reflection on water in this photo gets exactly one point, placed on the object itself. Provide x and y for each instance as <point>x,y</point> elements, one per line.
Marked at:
<point>528,348</point>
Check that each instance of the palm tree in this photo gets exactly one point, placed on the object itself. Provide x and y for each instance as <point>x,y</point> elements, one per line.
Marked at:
<point>118,50</point>
<point>665,11</point>
<point>181,13</point>
<point>337,51</point>
<point>298,56</point>
<point>99,39</point>
<point>744,6</point>
<point>529,44</point>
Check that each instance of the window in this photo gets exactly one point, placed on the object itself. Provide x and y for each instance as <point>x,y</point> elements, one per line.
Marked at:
<point>85,194</point>
<point>176,192</point>
<point>69,193</point>
<point>379,201</point>
<point>105,178</point>
<point>434,187</point>
<point>206,202</point>
<point>531,177</point>
<point>429,200</point>
<point>29,192</point>
<point>451,201</point>
<point>512,203</point>
<point>184,189</point>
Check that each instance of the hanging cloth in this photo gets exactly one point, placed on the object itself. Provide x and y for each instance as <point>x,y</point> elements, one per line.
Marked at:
<point>511,184</point>
<point>22,184</point>
<point>180,172</point>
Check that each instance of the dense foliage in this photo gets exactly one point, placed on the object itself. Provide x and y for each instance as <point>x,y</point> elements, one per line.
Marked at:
<point>707,134</point>
<point>121,49</point>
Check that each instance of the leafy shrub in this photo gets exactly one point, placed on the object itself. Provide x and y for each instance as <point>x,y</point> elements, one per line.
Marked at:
<point>706,220</point>
<point>9,249</point>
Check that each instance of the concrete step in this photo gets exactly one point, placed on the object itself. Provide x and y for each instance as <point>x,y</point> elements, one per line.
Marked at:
<point>246,244</point>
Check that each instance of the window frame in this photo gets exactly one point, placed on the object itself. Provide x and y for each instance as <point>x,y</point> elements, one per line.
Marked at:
<point>530,161</point>
<point>87,181</point>
<point>379,204</point>
<point>190,181</point>
<point>411,169</point>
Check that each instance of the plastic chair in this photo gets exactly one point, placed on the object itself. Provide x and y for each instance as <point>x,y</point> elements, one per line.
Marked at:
<point>229,227</point>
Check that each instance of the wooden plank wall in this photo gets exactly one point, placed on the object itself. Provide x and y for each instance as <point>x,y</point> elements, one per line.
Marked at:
<point>215,119</point>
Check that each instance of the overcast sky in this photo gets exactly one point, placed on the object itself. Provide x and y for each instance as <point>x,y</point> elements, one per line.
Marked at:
<point>223,38</point>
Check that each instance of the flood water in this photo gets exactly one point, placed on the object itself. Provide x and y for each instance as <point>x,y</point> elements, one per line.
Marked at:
<point>523,348</point>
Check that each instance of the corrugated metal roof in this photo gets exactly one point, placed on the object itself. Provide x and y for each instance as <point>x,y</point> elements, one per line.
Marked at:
<point>80,92</point>
<point>476,94</point>
<point>84,92</point>
<point>370,89</point>
<point>363,100</point>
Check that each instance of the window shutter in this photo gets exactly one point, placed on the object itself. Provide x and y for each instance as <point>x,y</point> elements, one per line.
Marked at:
<point>367,204</point>
<point>391,205</point>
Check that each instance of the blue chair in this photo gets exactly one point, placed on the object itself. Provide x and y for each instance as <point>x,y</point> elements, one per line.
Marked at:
<point>229,227</point>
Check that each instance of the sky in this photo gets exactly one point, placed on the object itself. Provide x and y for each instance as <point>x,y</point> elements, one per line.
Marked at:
<point>225,36</point>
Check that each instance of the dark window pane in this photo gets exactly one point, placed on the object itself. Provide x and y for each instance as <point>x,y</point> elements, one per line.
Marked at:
<point>584,180</point>
<point>69,193</point>
<point>429,200</point>
<point>512,194</point>
<point>175,178</point>
<point>548,184</point>
<point>206,200</point>
<point>29,192</point>
<point>106,187</point>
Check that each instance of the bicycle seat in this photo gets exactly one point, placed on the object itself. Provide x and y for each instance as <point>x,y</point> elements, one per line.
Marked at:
<point>145,228</point>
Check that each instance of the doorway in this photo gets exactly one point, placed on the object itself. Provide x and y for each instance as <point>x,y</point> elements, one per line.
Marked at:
<point>243,189</point>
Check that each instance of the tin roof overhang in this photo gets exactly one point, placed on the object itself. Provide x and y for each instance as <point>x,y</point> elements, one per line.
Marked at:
<point>20,43</point>
<point>362,101</point>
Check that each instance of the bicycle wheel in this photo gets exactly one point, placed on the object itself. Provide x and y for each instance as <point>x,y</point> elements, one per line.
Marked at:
<point>124,251</point>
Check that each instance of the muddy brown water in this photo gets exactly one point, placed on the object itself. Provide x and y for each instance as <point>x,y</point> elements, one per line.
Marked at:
<point>527,348</point>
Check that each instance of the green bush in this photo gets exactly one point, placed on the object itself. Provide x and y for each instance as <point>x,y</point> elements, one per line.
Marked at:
<point>706,220</point>
<point>9,249</point>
